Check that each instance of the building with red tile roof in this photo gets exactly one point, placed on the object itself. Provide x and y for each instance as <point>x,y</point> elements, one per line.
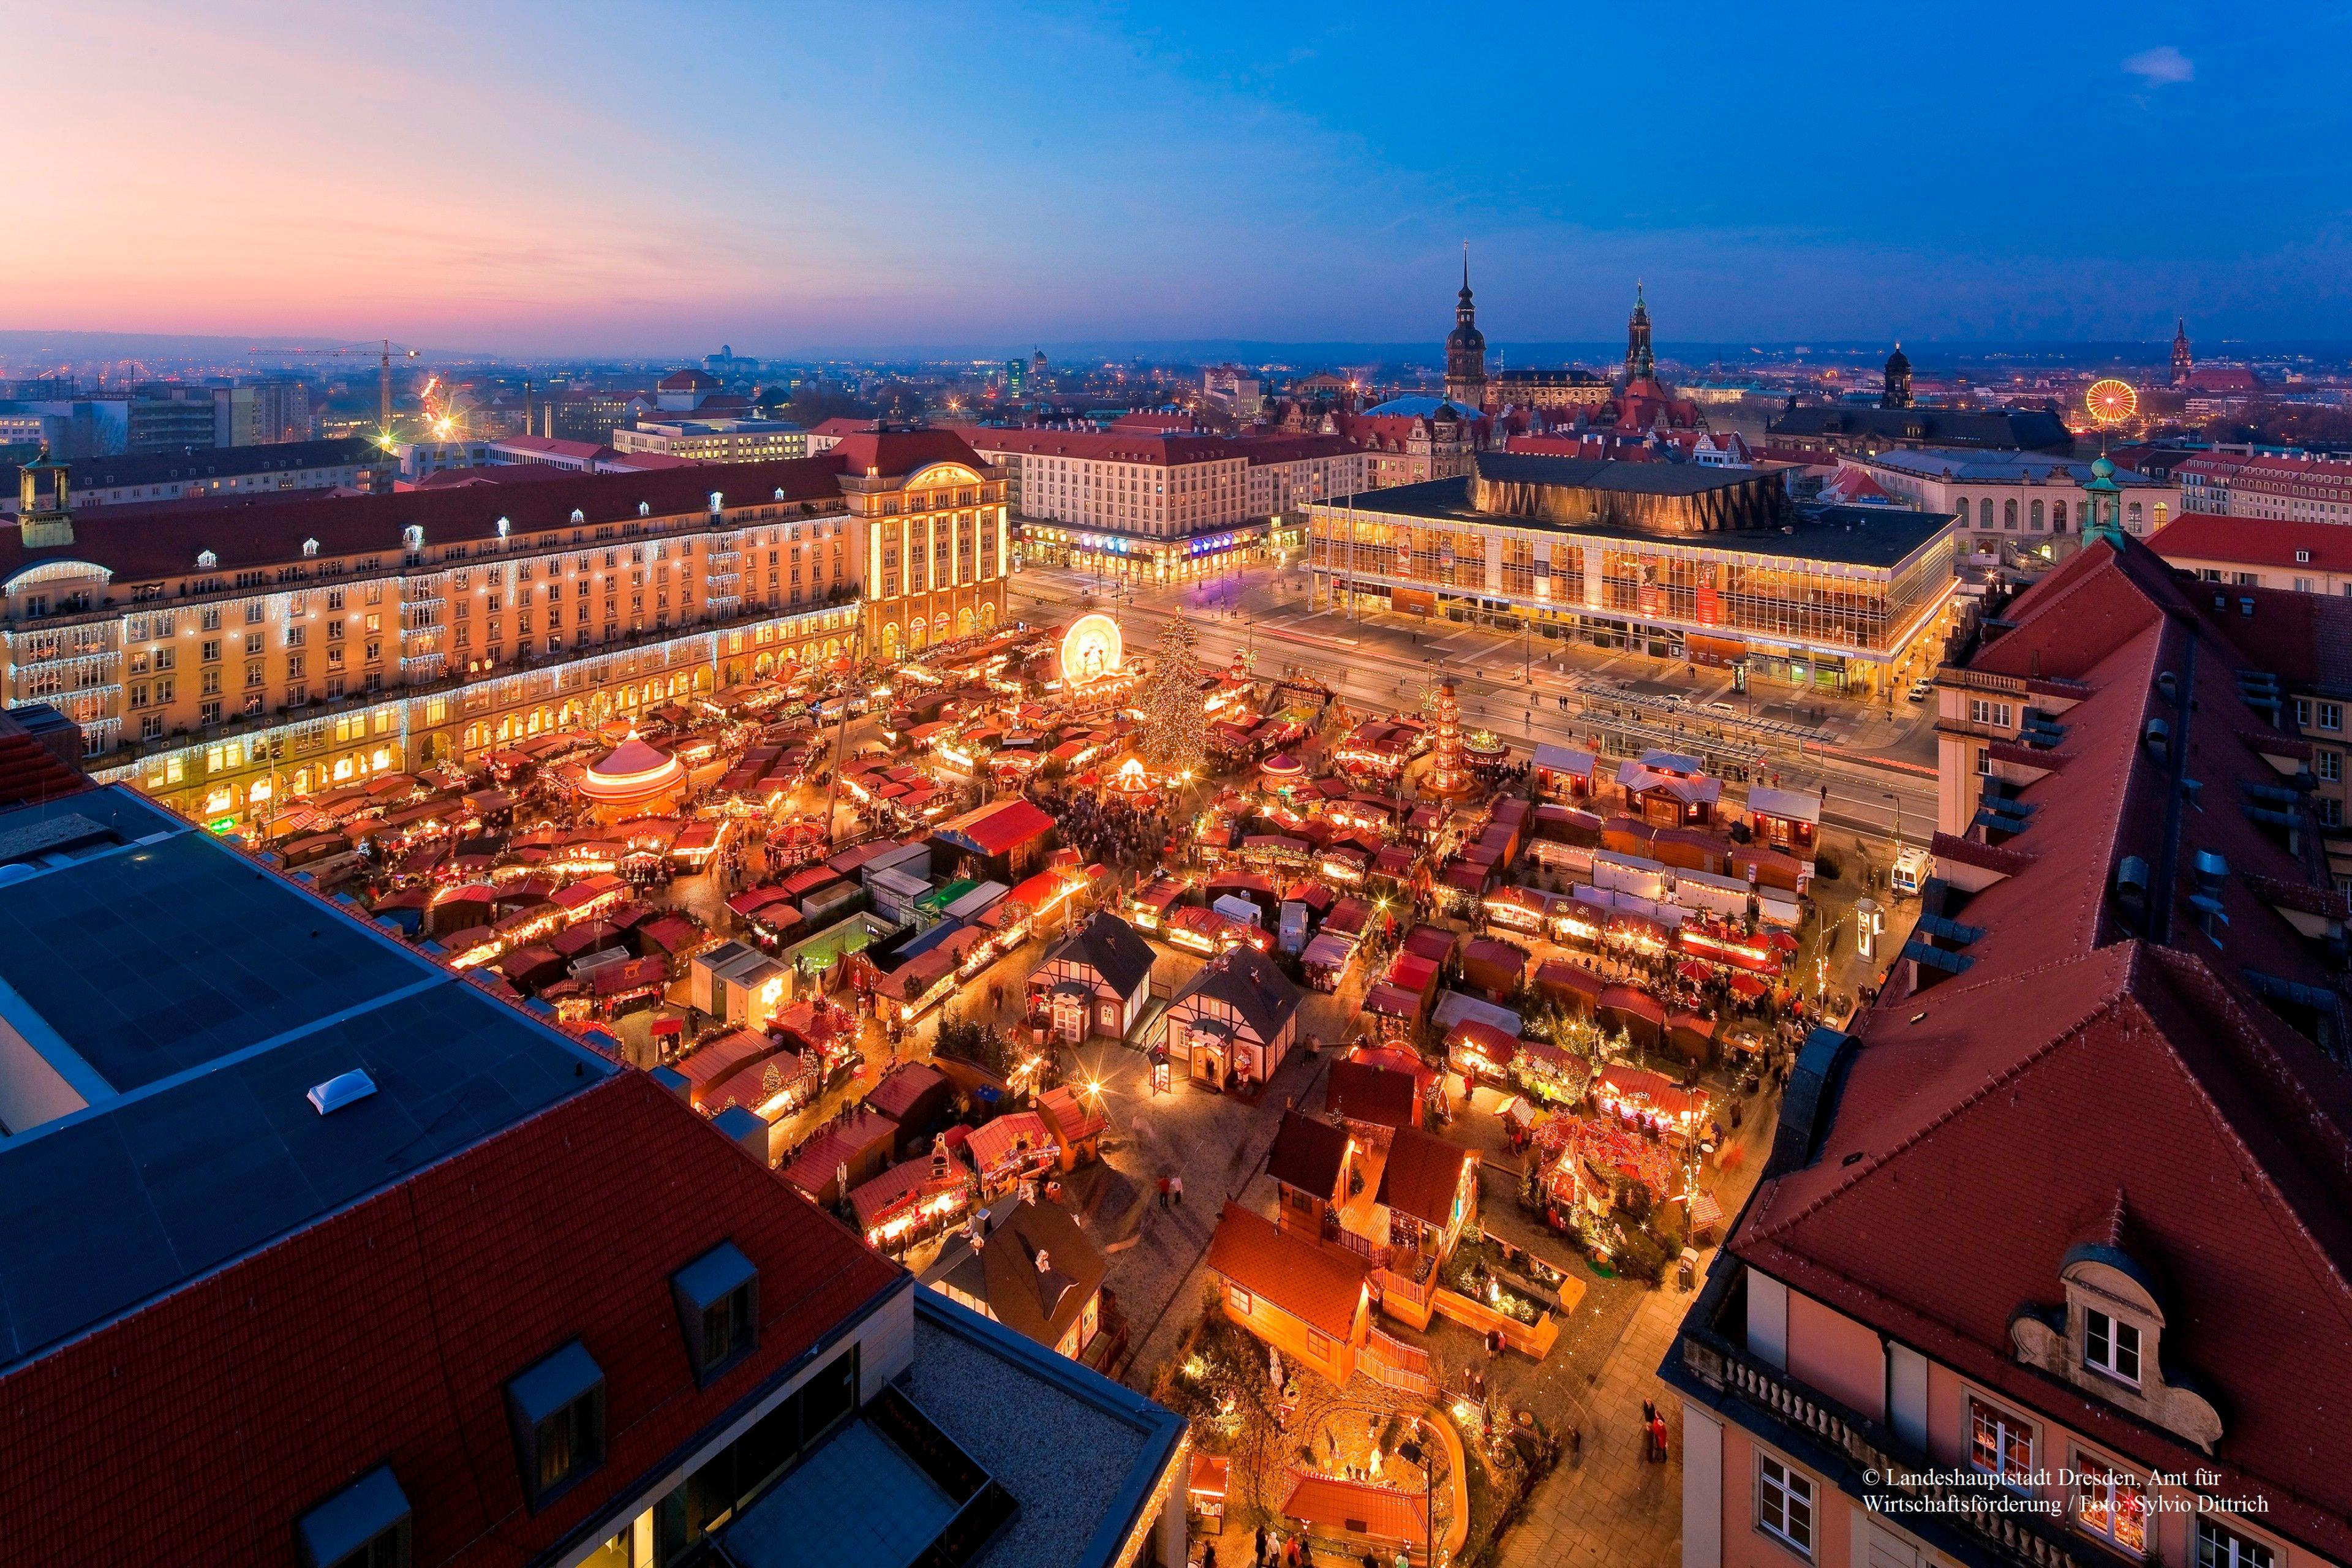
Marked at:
<point>2304,555</point>
<point>2061,1197</point>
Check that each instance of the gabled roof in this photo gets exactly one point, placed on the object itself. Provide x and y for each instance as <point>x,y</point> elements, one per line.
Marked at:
<point>1111,947</point>
<point>1003,1270</point>
<point>1423,1174</point>
<point>1323,1287</point>
<point>1246,981</point>
<point>1308,1154</point>
<point>995,829</point>
<point>1363,1092</point>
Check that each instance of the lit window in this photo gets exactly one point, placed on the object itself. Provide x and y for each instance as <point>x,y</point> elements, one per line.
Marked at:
<point>1784,1505</point>
<point>2112,1505</point>
<point>2002,1445</point>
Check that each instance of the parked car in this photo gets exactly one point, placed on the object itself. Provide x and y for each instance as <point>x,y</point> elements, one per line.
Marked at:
<point>1719,706</point>
<point>1922,688</point>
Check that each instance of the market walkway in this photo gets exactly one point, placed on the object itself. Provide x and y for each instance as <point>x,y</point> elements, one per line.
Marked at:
<point>1608,1505</point>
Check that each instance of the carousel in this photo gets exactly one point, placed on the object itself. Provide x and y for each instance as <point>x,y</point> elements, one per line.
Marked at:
<point>633,779</point>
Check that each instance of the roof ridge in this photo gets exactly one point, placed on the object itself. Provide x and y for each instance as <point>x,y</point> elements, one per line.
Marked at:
<point>1869,1164</point>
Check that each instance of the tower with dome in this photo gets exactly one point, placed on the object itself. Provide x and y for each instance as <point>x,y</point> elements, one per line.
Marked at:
<point>1896,386</point>
<point>1465,347</point>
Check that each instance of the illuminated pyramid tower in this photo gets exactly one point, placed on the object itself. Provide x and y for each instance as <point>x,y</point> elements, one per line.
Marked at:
<point>1449,775</point>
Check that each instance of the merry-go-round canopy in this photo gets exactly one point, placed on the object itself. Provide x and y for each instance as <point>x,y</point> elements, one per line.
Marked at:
<point>632,772</point>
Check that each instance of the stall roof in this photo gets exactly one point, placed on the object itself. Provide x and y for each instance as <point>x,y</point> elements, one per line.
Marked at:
<point>1455,1007</point>
<point>1787,804</point>
<point>1557,759</point>
<point>1322,1287</point>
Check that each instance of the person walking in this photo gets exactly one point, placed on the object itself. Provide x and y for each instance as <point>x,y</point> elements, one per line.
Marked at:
<point>1176,1186</point>
<point>1163,1191</point>
<point>1649,1419</point>
<point>1258,1558</point>
<point>1658,1438</point>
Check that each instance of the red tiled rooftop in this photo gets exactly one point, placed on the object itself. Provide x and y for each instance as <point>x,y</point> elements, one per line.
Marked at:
<point>387,1333</point>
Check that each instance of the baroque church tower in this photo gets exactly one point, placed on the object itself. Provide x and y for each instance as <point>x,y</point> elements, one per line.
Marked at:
<point>1465,347</point>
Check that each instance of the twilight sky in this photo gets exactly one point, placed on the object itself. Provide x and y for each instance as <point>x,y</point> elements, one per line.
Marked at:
<point>642,178</point>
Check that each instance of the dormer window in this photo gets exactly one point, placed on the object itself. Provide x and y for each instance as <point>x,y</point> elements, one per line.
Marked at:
<point>2111,1346</point>
<point>645,509</point>
<point>578,515</point>
<point>718,1297</point>
<point>556,1411</point>
<point>207,560</point>
<point>365,1525</point>
<point>309,547</point>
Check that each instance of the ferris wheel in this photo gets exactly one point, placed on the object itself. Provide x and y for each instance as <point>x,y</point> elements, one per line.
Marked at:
<point>2111,402</point>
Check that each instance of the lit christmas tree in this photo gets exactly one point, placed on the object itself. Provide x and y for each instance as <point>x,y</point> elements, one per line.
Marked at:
<point>1174,717</point>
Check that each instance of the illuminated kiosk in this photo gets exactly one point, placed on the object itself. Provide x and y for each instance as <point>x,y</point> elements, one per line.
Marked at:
<point>633,779</point>
<point>1092,650</point>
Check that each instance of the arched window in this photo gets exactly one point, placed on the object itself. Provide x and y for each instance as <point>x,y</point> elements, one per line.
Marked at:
<point>2133,520</point>
<point>2034,521</point>
<point>1984,513</point>
<point>2162,512</point>
<point>2009,514</point>
<point>2057,517</point>
<point>1960,505</point>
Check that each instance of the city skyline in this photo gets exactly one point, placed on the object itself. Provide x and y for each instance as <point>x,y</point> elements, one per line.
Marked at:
<point>580,189</point>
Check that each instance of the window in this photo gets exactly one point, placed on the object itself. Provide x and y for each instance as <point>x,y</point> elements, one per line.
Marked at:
<point>1784,1505</point>
<point>718,1297</point>
<point>365,1525</point>
<point>2002,1445</point>
<point>2331,715</point>
<point>1981,712</point>
<point>2329,764</point>
<point>2218,1546</point>
<point>556,1409</point>
<point>1238,1299</point>
<point>2111,1347</point>
<point>2112,1504</point>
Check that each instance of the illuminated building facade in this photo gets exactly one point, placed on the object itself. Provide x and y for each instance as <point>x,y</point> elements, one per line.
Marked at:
<point>224,658</point>
<point>1679,561</point>
<point>1164,506</point>
<point>715,440</point>
<point>937,533</point>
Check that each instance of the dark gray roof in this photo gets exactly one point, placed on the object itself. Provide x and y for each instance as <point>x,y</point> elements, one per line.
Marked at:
<point>1112,948</point>
<point>1246,980</point>
<point>2026,429</point>
<point>213,462</point>
<point>1608,474</point>
<point>192,1000</point>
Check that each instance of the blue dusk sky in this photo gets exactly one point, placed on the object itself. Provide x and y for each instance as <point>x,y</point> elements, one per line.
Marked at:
<point>647,178</point>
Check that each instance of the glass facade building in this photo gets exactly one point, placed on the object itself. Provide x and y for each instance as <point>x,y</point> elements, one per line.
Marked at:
<point>1833,596</point>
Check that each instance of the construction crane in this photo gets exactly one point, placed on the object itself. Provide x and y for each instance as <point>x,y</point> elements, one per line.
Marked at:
<point>386,349</point>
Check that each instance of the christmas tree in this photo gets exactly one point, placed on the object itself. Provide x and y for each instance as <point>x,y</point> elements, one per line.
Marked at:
<point>1173,714</point>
